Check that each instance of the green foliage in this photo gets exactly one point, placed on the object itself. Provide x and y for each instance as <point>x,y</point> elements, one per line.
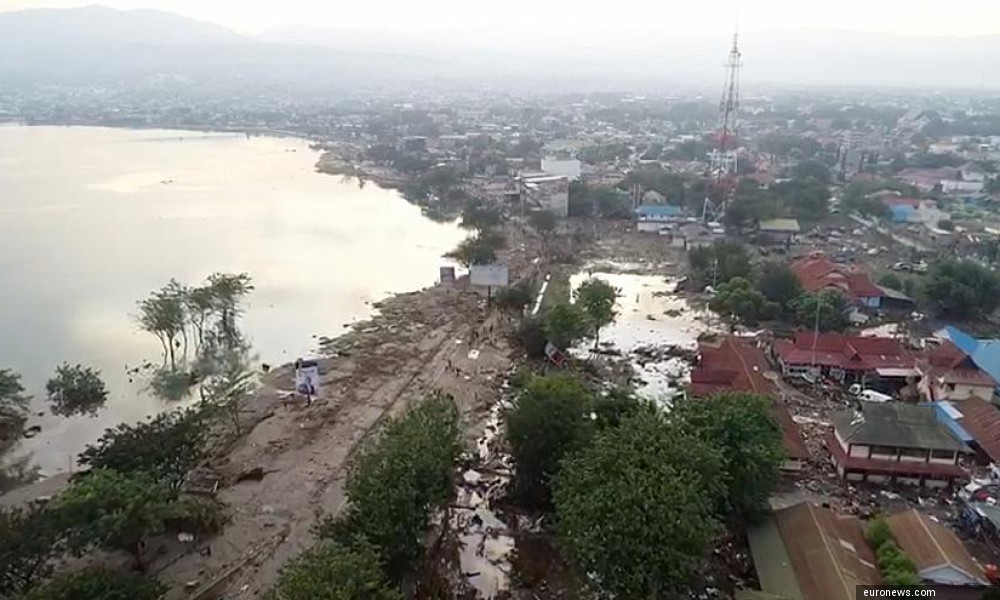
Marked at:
<point>613,406</point>
<point>163,315</point>
<point>597,299</point>
<point>395,481</point>
<point>962,289</point>
<point>806,199</point>
<point>480,249</point>
<point>718,263</point>
<point>565,323</point>
<point>532,336</point>
<point>542,221</point>
<point>605,153</point>
<point>790,146</point>
<point>231,381</point>
<point>98,584</point>
<point>670,185</point>
<point>895,577</point>
<point>878,532</point>
<point>13,409</point>
<point>549,421</point>
<point>826,310</point>
<point>612,204</point>
<point>581,200</point>
<point>812,169</point>
<point>332,571</point>
<point>779,284</point>
<point>76,390</point>
<point>633,509</point>
<point>29,540</point>
<point>115,511</point>
<point>946,224</point>
<point>516,298</point>
<point>164,447</point>
<point>891,281</point>
<point>739,298</point>
<point>740,425</point>
<point>480,218</point>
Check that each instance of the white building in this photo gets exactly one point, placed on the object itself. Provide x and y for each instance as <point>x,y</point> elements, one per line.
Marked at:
<point>570,168</point>
<point>545,191</point>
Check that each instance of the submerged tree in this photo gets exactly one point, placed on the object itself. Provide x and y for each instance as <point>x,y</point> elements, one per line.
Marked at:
<point>13,409</point>
<point>76,390</point>
<point>597,298</point>
<point>163,314</point>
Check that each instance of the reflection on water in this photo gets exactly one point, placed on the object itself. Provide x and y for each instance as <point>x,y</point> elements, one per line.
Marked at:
<point>92,220</point>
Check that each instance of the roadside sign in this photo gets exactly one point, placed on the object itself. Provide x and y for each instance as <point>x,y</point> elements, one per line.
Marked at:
<point>488,275</point>
<point>447,274</point>
<point>307,377</point>
<point>554,355</point>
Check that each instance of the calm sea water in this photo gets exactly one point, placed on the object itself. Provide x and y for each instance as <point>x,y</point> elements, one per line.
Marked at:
<point>92,220</point>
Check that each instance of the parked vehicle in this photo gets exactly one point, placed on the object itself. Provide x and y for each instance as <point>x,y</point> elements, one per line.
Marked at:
<point>873,396</point>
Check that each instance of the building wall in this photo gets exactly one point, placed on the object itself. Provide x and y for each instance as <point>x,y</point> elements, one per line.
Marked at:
<point>569,168</point>
<point>859,450</point>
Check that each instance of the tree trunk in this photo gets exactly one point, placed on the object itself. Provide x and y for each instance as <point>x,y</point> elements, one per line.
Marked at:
<point>173,361</point>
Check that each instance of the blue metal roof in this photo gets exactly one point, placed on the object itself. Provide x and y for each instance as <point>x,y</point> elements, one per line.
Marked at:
<point>659,210</point>
<point>985,353</point>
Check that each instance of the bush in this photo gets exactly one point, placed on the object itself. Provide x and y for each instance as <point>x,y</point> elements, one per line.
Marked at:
<point>331,571</point>
<point>532,336</point>
<point>549,421</point>
<point>891,281</point>
<point>879,533</point>
<point>98,584</point>
<point>395,480</point>
<point>76,390</point>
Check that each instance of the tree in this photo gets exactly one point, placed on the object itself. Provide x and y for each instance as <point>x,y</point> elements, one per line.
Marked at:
<point>550,420</point>
<point>98,584</point>
<point>29,540</point>
<point>565,323</point>
<point>229,290</point>
<point>812,169</point>
<point>946,224</point>
<point>13,409</point>
<point>232,381</point>
<point>741,426</point>
<point>76,390</point>
<point>631,509</point>
<point>962,289</point>
<point>826,311</point>
<point>480,218</point>
<point>544,222</point>
<point>614,405</point>
<point>718,263</point>
<point>611,204</point>
<point>738,297</point>
<point>516,298</point>
<point>807,199</point>
<point>891,281</point>
<point>581,202</point>
<point>597,299</point>
<point>115,511</point>
<point>480,249</point>
<point>878,532</point>
<point>164,447</point>
<point>332,571</point>
<point>779,284</point>
<point>395,480</point>
<point>163,314</point>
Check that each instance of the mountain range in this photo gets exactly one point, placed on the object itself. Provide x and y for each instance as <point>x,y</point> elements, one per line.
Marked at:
<point>96,44</point>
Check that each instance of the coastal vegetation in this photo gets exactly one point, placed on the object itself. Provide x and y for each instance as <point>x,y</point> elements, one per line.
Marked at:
<point>76,390</point>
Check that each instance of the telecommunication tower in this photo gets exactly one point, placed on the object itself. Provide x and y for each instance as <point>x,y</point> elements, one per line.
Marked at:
<point>722,159</point>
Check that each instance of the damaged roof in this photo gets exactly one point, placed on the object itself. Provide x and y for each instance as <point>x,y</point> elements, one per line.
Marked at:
<point>896,424</point>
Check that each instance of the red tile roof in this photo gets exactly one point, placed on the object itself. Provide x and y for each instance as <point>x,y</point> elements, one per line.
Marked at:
<point>817,273</point>
<point>891,467</point>
<point>981,420</point>
<point>947,363</point>
<point>853,353</point>
<point>736,364</point>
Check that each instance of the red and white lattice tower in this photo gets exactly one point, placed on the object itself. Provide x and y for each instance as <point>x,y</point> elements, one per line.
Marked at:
<point>722,159</point>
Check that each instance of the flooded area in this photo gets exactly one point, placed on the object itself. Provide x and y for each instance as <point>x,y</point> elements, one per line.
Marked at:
<point>92,220</point>
<point>654,330</point>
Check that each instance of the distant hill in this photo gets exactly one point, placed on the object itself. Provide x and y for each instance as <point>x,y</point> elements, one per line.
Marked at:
<point>96,44</point>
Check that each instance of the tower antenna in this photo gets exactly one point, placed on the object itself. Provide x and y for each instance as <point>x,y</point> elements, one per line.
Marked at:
<point>722,159</point>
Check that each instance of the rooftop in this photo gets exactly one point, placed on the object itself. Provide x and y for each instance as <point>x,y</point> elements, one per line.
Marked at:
<point>897,425</point>
<point>931,545</point>
<point>978,420</point>
<point>780,226</point>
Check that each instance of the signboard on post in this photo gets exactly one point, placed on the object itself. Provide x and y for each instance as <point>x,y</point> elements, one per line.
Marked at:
<point>448,275</point>
<point>553,354</point>
<point>307,378</point>
<point>489,275</point>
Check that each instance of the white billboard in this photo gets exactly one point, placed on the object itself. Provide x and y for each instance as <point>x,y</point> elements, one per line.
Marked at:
<point>488,275</point>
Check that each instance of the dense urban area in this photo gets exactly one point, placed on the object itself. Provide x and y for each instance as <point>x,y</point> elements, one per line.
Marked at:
<point>687,351</point>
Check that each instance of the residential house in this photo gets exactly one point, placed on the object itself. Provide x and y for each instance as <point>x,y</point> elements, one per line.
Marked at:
<point>736,364</point>
<point>896,442</point>
<point>915,119</point>
<point>940,557</point>
<point>847,359</point>
<point>654,217</point>
<point>778,231</point>
<point>985,353</point>
<point>818,273</point>
<point>807,552</point>
<point>948,373</point>
<point>975,422</point>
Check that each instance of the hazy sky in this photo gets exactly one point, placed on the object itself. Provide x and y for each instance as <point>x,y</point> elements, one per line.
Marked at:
<point>655,17</point>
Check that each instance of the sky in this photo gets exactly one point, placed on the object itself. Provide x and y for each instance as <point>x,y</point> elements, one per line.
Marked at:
<point>644,17</point>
